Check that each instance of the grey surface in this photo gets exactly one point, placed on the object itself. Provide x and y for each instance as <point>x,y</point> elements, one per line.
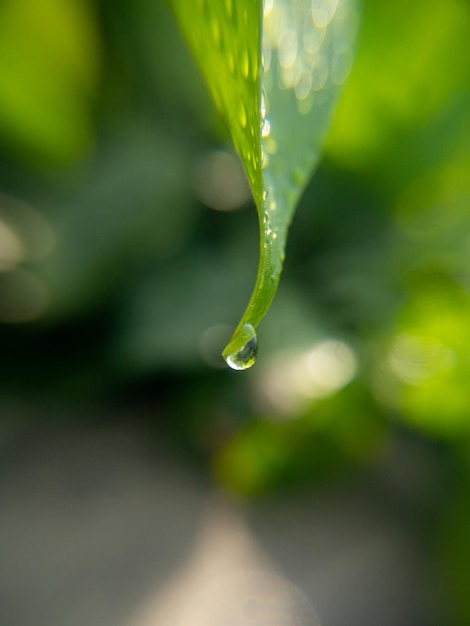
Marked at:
<point>99,526</point>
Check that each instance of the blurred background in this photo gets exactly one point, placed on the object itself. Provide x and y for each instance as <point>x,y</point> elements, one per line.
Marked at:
<point>133,463</point>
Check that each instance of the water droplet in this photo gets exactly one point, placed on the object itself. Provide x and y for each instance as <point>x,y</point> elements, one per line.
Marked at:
<point>263,106</point>
<point>245,357</point>
<point>265,128</point>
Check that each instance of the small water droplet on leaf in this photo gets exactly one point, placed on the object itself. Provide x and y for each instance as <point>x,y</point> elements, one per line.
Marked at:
<point>265,128</point>
<point>263,103</point>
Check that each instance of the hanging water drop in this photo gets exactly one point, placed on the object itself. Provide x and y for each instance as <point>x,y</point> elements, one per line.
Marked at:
<point>245,357</point>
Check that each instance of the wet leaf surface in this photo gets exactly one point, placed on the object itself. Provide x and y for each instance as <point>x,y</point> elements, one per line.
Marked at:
<point>274,71</point>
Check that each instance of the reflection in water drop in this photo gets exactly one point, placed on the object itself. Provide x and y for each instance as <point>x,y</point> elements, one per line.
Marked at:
<point>245,357</point>
<point>250,599</point>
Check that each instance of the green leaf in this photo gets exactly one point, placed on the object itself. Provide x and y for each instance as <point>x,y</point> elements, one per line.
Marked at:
<point>273,72</point>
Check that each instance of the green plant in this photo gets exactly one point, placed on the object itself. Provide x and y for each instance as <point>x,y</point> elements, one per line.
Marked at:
<point>273,72</point>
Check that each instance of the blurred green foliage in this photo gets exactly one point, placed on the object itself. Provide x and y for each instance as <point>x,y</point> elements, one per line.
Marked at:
<point>119,282</point>
<point>50,67</point>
